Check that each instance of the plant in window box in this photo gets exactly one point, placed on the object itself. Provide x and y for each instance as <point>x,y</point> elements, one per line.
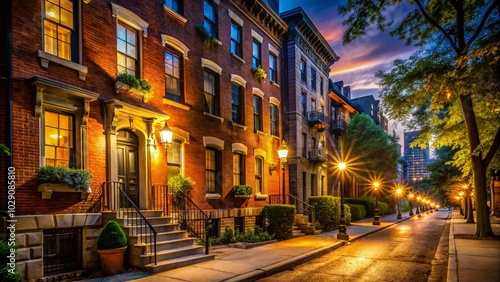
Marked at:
<point>209,40</point>
<point>258,73</point>
<point>242,191</point>
<point>128,82</point>
<point>63,179</point>
<point>111,246</point>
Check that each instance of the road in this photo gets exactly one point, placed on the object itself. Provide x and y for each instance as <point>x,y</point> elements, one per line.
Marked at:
<point>407,251</point>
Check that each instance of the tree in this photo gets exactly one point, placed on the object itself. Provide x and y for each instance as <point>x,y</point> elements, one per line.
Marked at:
<point>456,70</point>
<point>443,175</point>
<point>376,151</point>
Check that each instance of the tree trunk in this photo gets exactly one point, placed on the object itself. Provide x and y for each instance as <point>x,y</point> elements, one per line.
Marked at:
<point>483,226</point>
<point>470,211</point>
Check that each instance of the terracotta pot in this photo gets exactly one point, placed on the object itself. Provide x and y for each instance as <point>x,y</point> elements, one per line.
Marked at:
<point>112,260</point>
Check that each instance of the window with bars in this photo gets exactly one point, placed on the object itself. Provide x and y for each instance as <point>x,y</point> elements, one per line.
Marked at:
<point>59,27</point>
<point>127,46</point>
<point>239,224</point>
<point>62,250</point>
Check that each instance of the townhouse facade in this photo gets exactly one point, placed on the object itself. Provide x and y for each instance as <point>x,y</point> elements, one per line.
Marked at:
<point>308,58</point>
<point>372,107</point>
<point>65,107</point>
<point>340,112</point>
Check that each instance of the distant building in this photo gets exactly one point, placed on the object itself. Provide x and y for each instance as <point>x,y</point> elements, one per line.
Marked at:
<point>416,157</point>
<point>370,106</point>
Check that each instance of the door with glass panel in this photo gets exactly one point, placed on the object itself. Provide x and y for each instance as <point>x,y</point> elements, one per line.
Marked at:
<point>128,166</point>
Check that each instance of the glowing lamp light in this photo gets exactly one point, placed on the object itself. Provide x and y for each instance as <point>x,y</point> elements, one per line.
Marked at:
<point>283,151</point>
<point>166,135</point>
<point>342,165</point>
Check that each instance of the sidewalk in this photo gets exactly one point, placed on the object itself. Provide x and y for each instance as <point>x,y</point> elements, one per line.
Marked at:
<point>469,259</point>
<point>233,264</point>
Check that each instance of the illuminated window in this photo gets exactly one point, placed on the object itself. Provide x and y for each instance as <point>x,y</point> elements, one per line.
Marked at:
<point>58,139</point>
<point>127,49</point>
<point>259,173</point>
<point>174,158</point>
<point>212,170</point>
<point>173,76</point>
<point>59,28</point>
<point>211,92</point>
<point>238,169</point>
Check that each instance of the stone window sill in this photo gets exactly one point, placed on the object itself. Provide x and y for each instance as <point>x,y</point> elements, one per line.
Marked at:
<point>176,104</point>
<point>214,116</point>
<point>48,188</point>
<point>261,133</point>
<point>275,84</point>
<point>238,58</point>
<point>239,126</point>
<point>174,14</point>
<point>213,196</point>
<point>46,58</point>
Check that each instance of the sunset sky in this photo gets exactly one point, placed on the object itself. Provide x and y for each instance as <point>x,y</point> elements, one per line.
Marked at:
<point>360,60</point>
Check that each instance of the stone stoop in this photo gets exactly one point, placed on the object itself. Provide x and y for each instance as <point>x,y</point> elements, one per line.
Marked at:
<point>173,246</point>
<point>302,223</point>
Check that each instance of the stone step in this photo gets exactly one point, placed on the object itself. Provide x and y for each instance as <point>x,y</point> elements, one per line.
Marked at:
<point>178,262</point>
<point>161,236</point>
<point>145,213</point>
<point>132,230</point>
<point>139,249</point>
<point>139,221</point>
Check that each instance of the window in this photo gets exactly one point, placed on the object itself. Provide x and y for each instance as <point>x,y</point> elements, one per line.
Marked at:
<point>175,5</point>
<point>259,173</point>
<point>256,60</point>
<point>127,49</point>
<point>236,39</point>
<point>274,120</point>
<point>273,68</point>
<point>59,28</point>
<point>211,96</point>
<point>59,135</point>
<point>212,170</point>
<point>239,224</point>
<point>303,103</point>
<point>304,145</point>
<point>303,70</point>
<point>257,113</point>
<point>174,158</point>
<point>313,79</point>
<point>238,169</point>
<point>62,250</point>
<point>173,76</point>
<point>210,17</point>
<point>237,103</point>
<point>321,86</point>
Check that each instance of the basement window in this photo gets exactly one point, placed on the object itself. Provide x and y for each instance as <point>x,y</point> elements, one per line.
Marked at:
<point>62,250</point>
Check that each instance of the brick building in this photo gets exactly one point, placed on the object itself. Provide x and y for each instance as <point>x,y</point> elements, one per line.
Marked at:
<point>67,109</point>
<point>307,66</point>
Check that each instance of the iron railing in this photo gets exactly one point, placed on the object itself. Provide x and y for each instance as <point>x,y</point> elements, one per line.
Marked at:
<point>339,124</point>
<point>191,218</point>
<point>162,199</point>
<point>302,207</point>
<point>114,198</point>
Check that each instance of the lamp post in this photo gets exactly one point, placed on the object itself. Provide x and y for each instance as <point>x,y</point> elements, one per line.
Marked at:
<point>376,217</point>
<point>282,154</point>
<point>411,196</point>
<point>399,192</point>
<point>417,210</point>
<point>342,235</point>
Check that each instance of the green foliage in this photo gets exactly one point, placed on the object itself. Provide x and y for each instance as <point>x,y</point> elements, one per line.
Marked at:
<point>111,237</point>
<point>258,235</point>
<point>327,209</point>
<point>367,202</point>
<point>281,220</point>
<point>5,274</point>
<point>4,150</point>
<point>208,39</point>
<point>139,86</point>
<point>369,142</point>
<point>180,184</point>
<point>76,178</point>
<point>383,209</point>
<point>258,73</point>
<point>242,190</point>
<point>443,175</point>
<point>358,212</point>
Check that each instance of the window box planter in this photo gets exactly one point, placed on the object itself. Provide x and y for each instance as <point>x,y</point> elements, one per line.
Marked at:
<point>242,191</point>
<point>48,188</point>
<point>130,84</point>
<point>243,196</point>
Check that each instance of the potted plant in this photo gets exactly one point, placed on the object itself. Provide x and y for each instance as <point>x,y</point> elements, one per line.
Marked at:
<point>208,39</point>
<point>181,186</point>
<point>128,82</point>
<point>111,246</point>
<point>258,73</point>
<point>242,191</point>
<point>63,179</point>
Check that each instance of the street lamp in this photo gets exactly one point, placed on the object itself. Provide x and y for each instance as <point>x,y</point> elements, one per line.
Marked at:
<point>282,154</point>
<point>399,192</point>
<point>166,135</point>
<point>411,196</point>
<point>376,217</point>
<point>342,235</point>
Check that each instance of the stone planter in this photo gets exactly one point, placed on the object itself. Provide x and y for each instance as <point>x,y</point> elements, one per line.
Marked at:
<point>48,188</point>
<point>112,260</point>
<point>243,196</point>
<point>119,86</point>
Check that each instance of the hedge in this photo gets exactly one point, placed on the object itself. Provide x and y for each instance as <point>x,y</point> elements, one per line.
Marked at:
<point>327,209</point>
<point>281,220</point>
<point>358,212</point>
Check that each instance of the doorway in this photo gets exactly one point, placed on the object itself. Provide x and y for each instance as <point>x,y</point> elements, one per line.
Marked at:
<point>128,164</point>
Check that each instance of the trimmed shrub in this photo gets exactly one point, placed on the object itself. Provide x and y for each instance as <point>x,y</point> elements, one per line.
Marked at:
<point>6,274</point>
<point>111,237</point>
<point>281,220</point>
<point>367,202</point>
<point>383,208</point>
<point>358,212</point>
<point>258,235</point>
<point>327,209</point>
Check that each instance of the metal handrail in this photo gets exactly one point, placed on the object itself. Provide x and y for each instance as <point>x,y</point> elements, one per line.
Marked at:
<point>125,207</point>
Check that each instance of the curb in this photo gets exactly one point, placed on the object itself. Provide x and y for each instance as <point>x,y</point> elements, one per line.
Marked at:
<point>452,275</point>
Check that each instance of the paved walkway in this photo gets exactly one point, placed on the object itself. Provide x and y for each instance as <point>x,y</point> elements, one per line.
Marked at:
<point>469,260</point>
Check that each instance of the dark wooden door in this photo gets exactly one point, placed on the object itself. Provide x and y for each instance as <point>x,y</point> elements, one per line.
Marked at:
<point>128,165</point>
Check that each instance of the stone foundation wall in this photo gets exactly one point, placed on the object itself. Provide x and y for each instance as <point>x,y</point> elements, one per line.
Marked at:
<point>29,239</point>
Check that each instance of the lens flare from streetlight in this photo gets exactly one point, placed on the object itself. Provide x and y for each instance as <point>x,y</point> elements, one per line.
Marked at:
<point>342,165</point>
